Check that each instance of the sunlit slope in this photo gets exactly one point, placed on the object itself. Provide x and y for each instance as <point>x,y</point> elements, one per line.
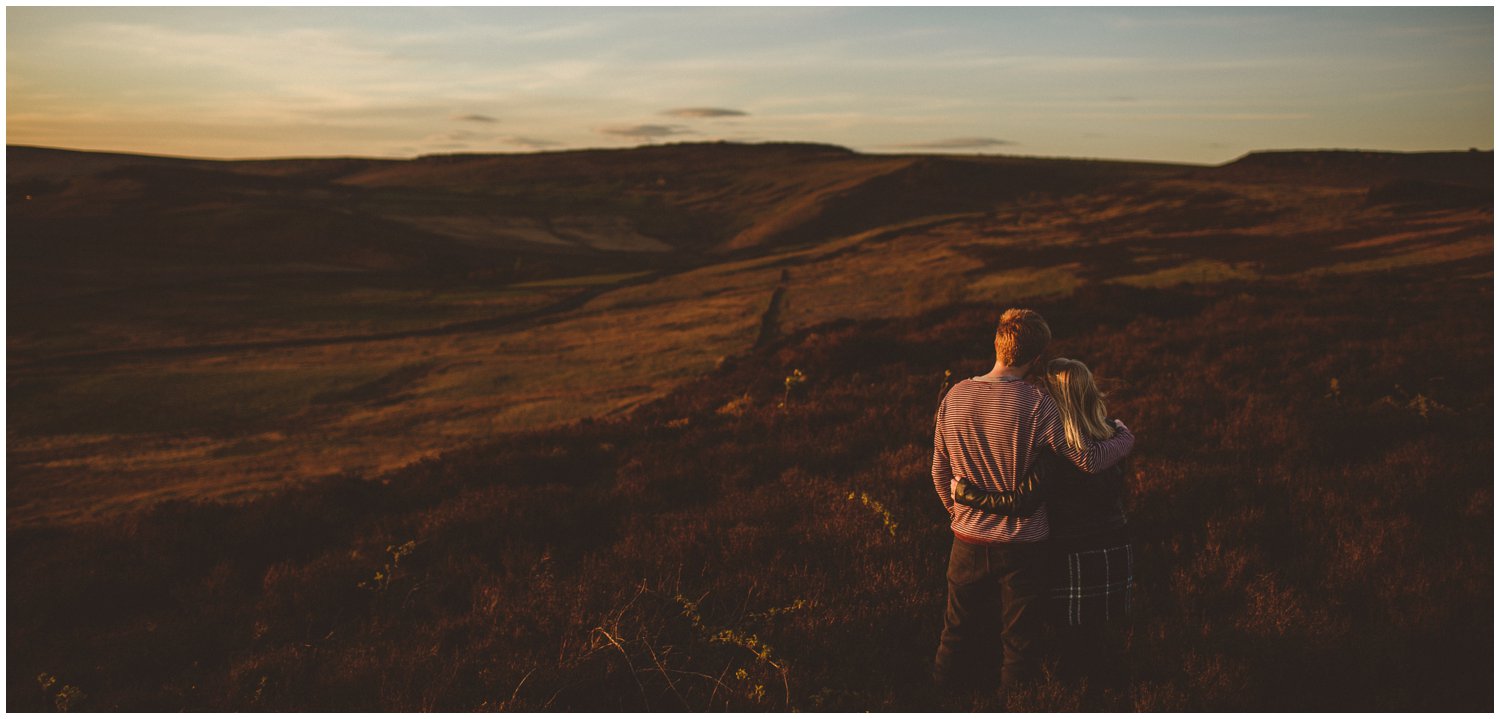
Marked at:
<point>122,252</point>
<point>113,219</point>
<point>1311,495</point>
<point>115,434</point>
<point>724,196</point>
<point>464,213</point>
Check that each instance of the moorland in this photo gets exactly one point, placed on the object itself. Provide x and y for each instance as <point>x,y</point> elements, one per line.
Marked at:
<point>648,429</point>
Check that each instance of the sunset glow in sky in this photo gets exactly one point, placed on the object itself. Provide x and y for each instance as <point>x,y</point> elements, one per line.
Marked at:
<point>1177,84</point>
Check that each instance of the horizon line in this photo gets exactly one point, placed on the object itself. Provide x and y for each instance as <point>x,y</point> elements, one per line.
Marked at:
<point>395,158</point>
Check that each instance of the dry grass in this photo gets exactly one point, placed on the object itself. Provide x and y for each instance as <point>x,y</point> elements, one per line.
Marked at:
<point>191,424</point>
<point>627,505</point>
<point>1193,272</point>
<point>1302,545</point>
<point>182,316</point>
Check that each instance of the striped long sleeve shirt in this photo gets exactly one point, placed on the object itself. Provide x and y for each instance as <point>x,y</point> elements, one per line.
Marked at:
<point>989,430</point>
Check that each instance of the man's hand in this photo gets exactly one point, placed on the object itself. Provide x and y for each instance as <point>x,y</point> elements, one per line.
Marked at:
<point>1121,426</point>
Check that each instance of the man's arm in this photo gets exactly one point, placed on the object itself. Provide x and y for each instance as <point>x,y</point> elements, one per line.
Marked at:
<point>942,470</point>
<point>1023,501</point>
<point>1097,455</point>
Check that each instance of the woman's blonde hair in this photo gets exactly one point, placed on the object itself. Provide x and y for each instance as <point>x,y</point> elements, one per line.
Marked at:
<point>1079,401</point>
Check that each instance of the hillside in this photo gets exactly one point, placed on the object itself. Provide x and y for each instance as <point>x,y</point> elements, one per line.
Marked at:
<point>516,432</point>
<point>1357,168</point>
<point>305,328</point>
<point>99,221</point>
<point>458,214</point>
<point>1311,494</point>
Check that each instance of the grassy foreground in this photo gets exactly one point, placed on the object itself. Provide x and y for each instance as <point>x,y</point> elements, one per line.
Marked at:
<point>1312,491</point>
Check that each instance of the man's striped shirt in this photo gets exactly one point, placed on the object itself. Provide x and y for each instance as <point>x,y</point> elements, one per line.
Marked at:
<point>989,430</point>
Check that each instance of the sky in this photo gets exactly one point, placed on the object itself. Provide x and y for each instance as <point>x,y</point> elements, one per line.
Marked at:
<point>1202,85</point>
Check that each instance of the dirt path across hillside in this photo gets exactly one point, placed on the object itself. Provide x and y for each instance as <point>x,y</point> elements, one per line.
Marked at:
<point>513,321</point>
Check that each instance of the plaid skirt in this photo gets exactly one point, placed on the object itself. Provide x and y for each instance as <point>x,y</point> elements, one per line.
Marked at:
<point>1092,580</point>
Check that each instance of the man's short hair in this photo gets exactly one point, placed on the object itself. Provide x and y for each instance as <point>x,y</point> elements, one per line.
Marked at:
<point>1021,337</point>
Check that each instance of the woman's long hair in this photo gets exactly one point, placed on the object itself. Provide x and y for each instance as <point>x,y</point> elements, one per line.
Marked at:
<point>1079,401</point>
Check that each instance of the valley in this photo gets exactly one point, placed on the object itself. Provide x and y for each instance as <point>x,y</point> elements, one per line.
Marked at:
<point>220,363</point>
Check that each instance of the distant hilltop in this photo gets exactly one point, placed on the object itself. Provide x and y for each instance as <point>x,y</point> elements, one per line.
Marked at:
<point>536,215</point>
<point>1280,158</point>
<point>468,210</point>
<point>720,147</point>
<point>1362,168</point>
<point>814,148</point>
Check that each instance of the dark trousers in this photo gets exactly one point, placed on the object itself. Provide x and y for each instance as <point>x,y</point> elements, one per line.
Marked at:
<point>996,607</point>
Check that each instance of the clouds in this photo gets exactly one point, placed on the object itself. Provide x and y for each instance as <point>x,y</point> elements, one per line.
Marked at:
<point>1199,117</point>
<point>481,141</point>
<point>697,112</point>
<point>956,143</point>
<point>530,143</point>
<point>649,132</point>
<point>459,136</point>
<point>270,82</point>
<point>644,132</point>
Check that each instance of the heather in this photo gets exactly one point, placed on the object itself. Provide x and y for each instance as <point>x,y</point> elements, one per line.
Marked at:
<point>1311,492</point>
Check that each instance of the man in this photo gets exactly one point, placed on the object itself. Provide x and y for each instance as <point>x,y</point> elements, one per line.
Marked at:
<point>990,430</point>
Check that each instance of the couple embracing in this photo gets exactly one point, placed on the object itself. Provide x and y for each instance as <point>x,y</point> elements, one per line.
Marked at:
<point>1029,474</point>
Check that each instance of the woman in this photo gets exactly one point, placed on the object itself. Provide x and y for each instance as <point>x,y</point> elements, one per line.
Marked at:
<point>1092,565</point>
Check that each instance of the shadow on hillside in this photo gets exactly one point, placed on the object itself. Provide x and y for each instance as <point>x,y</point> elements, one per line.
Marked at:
<point>1311,491</point>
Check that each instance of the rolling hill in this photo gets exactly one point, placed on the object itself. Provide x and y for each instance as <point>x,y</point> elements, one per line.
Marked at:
<point>1311,495</point>
<point>480,432</point>
<point>152,219</point>
<point>188,328</point>
<point>457,214</point>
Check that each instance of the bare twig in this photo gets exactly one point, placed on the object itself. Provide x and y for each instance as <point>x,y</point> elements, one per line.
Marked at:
<point>745,605</point>
<point>628,663</point>
<point>507,703</point>
<point>786,687</point>
<point>670,684</point>
<point>621,613</point>
<point>718,684</point>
